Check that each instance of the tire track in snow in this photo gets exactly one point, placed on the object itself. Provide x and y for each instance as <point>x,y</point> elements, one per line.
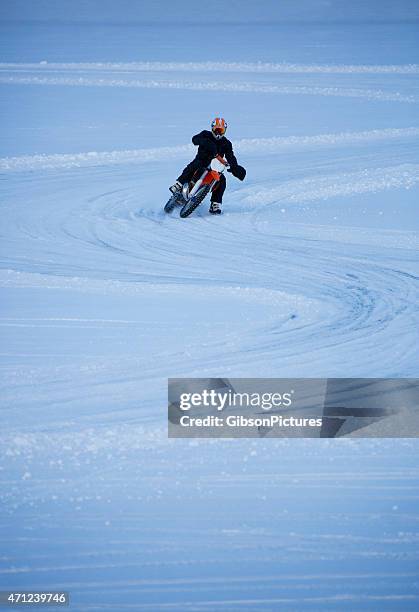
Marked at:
<point>335,305</point>
<point>359,304</point>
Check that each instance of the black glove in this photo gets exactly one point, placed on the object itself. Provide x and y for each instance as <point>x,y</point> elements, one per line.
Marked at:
<point>237,171</point>
<point>208,147</point>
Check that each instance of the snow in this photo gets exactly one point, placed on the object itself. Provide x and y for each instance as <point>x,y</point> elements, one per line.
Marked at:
<point>245,145</point>
<point>311,271</point>
<point>283,67</point>
<point>231,86</point>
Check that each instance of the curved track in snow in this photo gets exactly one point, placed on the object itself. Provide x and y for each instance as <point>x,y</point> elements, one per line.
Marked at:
<point>134,296</point>
<point>258,295</point>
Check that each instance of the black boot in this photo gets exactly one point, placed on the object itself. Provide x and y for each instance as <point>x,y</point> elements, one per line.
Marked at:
<point>175,187</point>
<point>215,208</point>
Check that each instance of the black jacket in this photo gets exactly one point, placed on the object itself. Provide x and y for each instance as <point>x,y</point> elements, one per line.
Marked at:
<point>209,147</point>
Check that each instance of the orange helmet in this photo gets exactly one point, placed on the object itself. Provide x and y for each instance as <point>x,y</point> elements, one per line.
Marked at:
<point>218,127</point>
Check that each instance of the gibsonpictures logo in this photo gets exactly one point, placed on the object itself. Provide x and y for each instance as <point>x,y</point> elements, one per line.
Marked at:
<point>273,420</point>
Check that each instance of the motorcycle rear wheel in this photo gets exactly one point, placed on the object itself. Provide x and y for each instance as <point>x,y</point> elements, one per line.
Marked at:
<point>170,204</point>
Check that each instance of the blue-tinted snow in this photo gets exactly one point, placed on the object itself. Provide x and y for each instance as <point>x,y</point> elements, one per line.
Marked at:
<point>311,271</point>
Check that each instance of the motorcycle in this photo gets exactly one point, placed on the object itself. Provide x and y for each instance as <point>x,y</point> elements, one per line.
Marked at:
<point>192,194</point>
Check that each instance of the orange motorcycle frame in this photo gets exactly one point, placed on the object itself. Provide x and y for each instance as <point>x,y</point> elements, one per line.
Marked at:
<point>212,175</point>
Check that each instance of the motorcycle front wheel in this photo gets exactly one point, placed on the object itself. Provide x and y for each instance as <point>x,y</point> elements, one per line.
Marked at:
<point>188,208</point>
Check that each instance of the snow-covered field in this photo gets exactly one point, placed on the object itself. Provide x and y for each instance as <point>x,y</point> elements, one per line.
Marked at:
<point>311,271</point>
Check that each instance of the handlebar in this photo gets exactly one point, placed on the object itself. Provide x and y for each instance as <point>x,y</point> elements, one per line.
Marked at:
<point>221,160</point>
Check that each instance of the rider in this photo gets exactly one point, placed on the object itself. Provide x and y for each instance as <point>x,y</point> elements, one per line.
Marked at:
<point>209,145</point>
